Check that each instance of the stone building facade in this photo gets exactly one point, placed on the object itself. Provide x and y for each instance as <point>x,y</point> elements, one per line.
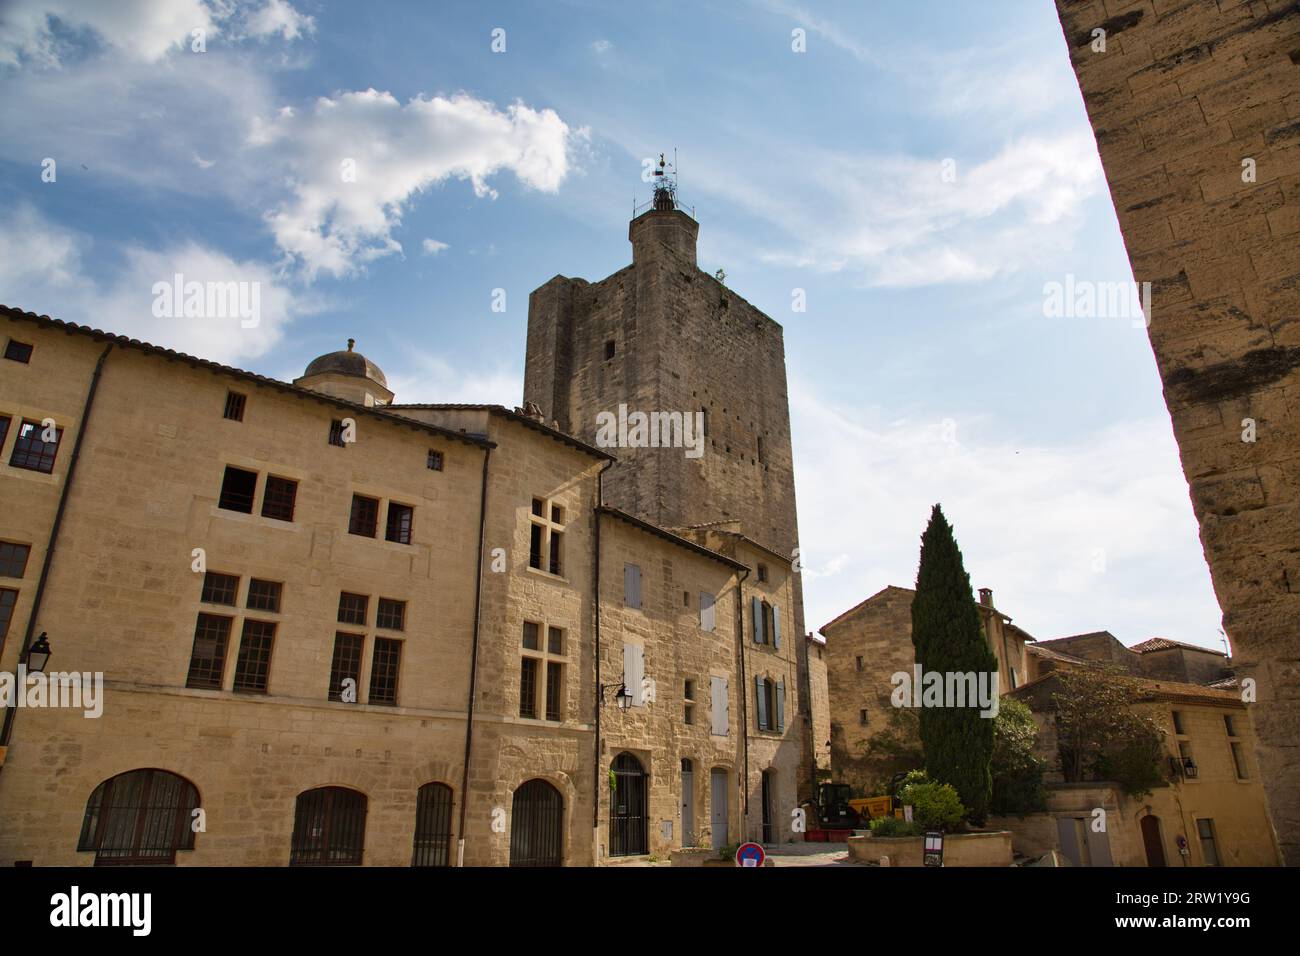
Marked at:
<point>866,646</point>
<point>335,629</point>
<point>1211,814</point>
<point>1196,109</point>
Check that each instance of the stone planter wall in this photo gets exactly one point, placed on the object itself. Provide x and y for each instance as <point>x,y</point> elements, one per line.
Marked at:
<point>959,849</point>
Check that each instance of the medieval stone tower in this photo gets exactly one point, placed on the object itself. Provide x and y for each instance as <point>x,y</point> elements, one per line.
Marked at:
<point>663,336</point>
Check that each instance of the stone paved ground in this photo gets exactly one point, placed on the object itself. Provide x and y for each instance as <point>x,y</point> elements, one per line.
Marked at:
<point>812,854</point>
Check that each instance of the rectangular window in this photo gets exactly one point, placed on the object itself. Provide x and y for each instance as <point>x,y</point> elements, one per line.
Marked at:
<point>1239,761</point>
<point>336,433</point>
<point>278,501</point>
<point>1178,722</point>
<point>219,588</point>
<point>208,658</point>
<point>535,547</point>
<point>762,573</point>
<point>364,519</point>
<point>859,662</point>
<point>539,507</point>
<point>13,559</point>
<point>1229,726</point>
<point>399,523</point>
<point>346,666</point>
<point>234,407</point>
<point>528,687</point>
<point>435,460</point>
<point>1209,845</point>
<point>264,596</point>
<point>531,639</point>
<point>556,551</point>
<point>383,671</point>
<point>254,663</point>
<point>4,429</point>
<point>689,690</point>
<point>554,640</point>
<point>554,690</point>
<point>8,598</point>
<point>31,451</point>
<point>632,585</point>
<point>17,351</point>
<point>688,717</point>
<point>391,615</point>
<point>353,608</point>
<point>237,490</point>
<point>862,717</point>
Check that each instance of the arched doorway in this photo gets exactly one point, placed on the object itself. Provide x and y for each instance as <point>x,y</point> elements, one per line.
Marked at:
<point>432,826</point>
<point>1151,841</point>
<point>536,825</point>
<point>628,834</point>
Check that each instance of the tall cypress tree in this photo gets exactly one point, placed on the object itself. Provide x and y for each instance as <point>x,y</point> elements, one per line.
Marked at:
<point>949,637</point>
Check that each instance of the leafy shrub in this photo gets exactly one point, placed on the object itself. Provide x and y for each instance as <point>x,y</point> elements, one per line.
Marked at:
<point>935,806</point>
<point>1017,770</point>
<point>893,827</point>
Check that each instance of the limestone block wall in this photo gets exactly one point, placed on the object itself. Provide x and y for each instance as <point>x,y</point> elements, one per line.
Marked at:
<point>1196,109</point>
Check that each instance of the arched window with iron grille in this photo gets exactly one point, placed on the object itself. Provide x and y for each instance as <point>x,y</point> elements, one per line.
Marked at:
<point>432,826</point>
<point>537,825</point>
<point>139,818</point>
<point>329,828</point>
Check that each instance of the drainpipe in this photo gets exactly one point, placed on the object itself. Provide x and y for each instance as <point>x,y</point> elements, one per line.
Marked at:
<point>744,697</point>
<point>595,760</point>
<point>12,710</point>
<point>473,666</point>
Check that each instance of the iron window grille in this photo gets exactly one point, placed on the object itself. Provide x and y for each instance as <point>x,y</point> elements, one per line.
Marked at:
<point>435,460</point>
<point>384,667</point>
<point>219,588</point>
<point>208,656</point>
<point>353,608</point>
<point>18,351</point>
<point>346,664</point>
<point>391,614</point>
<point>137,818</point>
<point>264,596</point>
<point>329,828</point>
<point>432,826</point>
<point>279,499</point>
<point>253,665</point>
<point>234,406</point>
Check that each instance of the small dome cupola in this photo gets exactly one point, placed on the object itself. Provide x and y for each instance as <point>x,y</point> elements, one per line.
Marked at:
<point>348,375</point>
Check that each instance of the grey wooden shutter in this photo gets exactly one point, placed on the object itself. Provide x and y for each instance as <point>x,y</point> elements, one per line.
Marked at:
<point>776,626</point>
<point>756,606</point>
<point>718,705</point>
<point>632,585</point>
<point>760,696</point>
<point>707,621</point>
<point>780,705</point>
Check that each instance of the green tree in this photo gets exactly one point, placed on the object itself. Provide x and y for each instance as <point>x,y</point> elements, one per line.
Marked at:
<point>1101,733</point>
<point>949,638</point>
<point>1016,769</point>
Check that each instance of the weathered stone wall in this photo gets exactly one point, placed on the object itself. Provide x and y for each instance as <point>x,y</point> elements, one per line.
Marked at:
<point>880,633</point>
<point>1184,97</point>
<point>819,707</point>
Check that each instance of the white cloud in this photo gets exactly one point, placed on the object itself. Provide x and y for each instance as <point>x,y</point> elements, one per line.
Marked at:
<point>42,270</point>
<point>278,16</point>
<point>899,222</point>
<point>432,247</point>
<point>426,377</point>
<point>141,29</point>
<point>1031,519</point>
<point>601,47</point>
<point>335,225</point>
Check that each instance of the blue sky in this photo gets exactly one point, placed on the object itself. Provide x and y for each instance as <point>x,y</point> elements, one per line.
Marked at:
<point>922,370</point>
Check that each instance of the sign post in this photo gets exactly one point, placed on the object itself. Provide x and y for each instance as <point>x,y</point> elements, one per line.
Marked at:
<point>750,854</point>
<point>933,848</point>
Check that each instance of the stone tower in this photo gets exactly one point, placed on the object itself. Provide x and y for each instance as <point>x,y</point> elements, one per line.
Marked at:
<point>1197,117</point>
<point>662,336</point>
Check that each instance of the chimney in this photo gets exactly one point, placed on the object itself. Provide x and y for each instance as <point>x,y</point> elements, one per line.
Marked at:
<point>986,597</point>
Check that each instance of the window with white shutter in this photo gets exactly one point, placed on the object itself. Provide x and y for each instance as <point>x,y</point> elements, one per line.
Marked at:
<point>718,706</point>
<point>633,672</point>
<point>706,611</point>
